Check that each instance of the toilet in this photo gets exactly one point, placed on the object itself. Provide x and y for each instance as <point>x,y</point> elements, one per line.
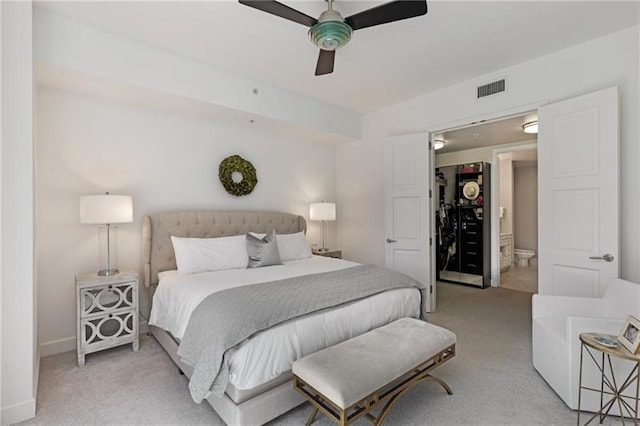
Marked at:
<point>523,256</point>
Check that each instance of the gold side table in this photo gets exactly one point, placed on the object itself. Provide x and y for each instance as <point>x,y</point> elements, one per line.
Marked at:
<point>609,386</point>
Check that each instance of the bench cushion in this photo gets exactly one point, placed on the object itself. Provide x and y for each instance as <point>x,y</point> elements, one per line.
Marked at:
<point>351,370</point>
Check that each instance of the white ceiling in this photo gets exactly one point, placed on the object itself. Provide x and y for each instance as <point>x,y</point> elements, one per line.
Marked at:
<point>498,132</point>
<point>382,65</point>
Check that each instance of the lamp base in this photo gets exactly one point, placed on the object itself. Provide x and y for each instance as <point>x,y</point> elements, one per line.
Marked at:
<point>108,272</point>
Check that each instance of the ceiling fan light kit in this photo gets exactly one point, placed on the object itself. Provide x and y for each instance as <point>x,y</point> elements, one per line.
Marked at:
<point>331,31</point>
<point>330,35</point>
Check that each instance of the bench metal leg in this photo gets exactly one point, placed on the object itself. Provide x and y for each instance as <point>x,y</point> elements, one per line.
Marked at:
<point>312,416</point>
<point>344,419</point>
<point>442,383</point>
<point>383,413</point>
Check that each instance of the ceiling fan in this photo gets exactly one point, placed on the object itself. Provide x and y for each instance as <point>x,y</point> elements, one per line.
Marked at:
<point>331,31</point>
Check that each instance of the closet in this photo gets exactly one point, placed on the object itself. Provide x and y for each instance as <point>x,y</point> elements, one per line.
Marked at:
<point>463,224</point>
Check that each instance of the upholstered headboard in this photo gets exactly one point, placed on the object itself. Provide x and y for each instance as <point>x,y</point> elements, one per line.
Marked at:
<point>157,229</point>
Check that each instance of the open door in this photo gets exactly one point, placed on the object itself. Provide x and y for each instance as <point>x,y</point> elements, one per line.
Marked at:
<point>407,209</point>
<point>578,194</point>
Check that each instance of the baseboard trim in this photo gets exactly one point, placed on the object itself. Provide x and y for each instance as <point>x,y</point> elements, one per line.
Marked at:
<point>143,326</point>
<point>18,412</point>
<point>58,346</point>
<point>69,343</point>
<point>36,375</point>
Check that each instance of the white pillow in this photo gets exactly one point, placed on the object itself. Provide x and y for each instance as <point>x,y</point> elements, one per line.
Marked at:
<point>293,246</point>
<point>290,246</point>
<point>195,255</point>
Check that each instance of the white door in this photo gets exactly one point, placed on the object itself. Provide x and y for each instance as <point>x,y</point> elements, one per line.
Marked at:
<point>578,194</point>
<point>407,212</point>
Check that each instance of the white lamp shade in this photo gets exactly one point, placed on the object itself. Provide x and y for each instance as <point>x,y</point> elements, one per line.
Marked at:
<point>106,208</point>
<point>322,211</point>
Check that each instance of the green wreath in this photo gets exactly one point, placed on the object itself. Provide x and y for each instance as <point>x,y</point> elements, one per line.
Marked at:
<point>232,164</point>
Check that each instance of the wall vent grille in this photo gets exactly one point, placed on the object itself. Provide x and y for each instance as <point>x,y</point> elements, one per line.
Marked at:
<point>491,88</point>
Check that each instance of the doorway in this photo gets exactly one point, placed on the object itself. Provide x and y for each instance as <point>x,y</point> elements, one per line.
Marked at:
<point>517,218</point>
<point>511,207</point>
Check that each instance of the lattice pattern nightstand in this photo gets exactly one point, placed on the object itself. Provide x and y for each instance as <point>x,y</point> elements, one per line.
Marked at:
<point>107,312</point>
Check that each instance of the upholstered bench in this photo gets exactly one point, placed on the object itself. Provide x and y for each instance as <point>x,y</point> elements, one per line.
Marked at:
<point>355,377</point>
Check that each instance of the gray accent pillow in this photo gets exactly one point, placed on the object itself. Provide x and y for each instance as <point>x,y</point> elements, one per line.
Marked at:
<point>263,251</point>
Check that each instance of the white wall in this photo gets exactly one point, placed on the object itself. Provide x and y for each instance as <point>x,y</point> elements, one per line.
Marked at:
<point>18,308</point>
<point>593,65</point>
<point>525,196</point>
<point>475,155</point>
<point>165,160</point>
<point>62,44</point>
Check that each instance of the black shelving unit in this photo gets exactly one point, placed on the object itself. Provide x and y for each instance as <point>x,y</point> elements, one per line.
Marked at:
<point>471,262</point>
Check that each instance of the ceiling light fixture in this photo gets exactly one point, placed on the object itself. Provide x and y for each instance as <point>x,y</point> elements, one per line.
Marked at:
<point>438,144</point>
<point>530,127</point>
<point>330,32</point>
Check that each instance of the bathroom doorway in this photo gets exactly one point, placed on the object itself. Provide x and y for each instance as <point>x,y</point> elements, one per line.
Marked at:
<point>517,217</point>
<point>516,228</point>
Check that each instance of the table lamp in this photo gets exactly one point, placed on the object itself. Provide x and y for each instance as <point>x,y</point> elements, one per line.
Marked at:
<point>323,212</point>
<point>106,210</point>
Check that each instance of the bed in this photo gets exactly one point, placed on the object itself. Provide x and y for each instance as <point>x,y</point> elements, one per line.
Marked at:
<point>259,386</point>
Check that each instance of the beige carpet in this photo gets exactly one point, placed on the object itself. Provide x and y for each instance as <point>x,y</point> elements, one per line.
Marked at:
<point>492,377</point>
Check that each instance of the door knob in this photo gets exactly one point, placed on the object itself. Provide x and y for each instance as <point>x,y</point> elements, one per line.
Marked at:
<point>389,240</point>
<point>606,257</point>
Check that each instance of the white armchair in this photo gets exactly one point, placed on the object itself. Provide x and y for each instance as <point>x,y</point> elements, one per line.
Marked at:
<point>557,324</point>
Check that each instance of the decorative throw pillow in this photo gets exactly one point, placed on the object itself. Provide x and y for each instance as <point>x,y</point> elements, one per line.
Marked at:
<point>195,255</point>
<point>263,251</point>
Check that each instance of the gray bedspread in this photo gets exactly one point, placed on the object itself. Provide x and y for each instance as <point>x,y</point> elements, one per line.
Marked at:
<point>227,318</point>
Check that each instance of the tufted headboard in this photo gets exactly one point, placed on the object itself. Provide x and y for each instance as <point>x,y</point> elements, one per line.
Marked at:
<point>157,229</point>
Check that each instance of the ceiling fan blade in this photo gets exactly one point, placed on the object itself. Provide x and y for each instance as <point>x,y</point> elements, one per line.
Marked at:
<point>281,10</point>
<point>325,62</point>
<point>388,12</point>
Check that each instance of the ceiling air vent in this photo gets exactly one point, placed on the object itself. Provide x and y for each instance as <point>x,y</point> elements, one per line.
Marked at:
<point>491,88</point>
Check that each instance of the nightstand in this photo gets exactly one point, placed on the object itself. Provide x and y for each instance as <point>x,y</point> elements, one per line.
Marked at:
<point>107,312</point>
<point>329,253</point>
